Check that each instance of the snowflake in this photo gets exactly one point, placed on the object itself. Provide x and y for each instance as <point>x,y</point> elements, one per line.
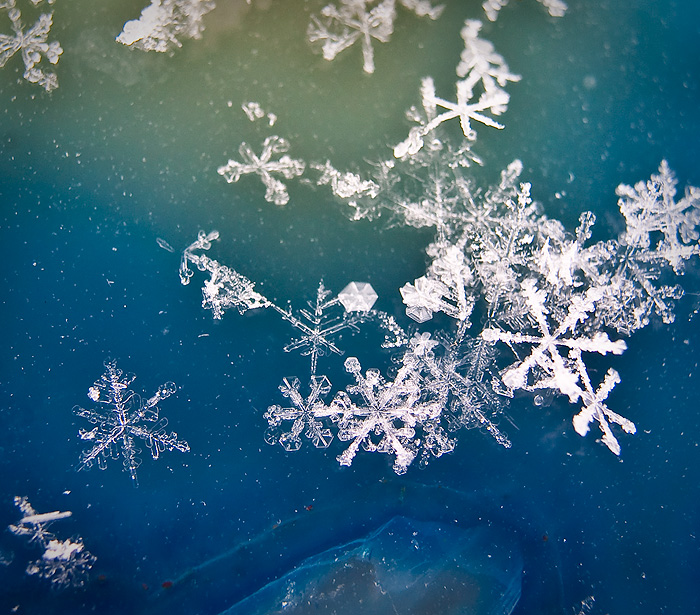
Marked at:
<point>457,372</point>
<point>265,166</point>
<point>556,8</point>
<point>385,417</point>
<point>650,209</point>
<point>341,27</point>
<point>32,45</point>
<point>480,66</point>
<point>317,328</point>
<point>225,288</point>
<point>164,22</point>
<point>305,415</point>
<point>64,563</point>
<point>123,421</point>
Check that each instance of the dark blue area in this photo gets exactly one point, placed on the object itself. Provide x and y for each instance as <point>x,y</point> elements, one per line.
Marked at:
<point>92,174</point>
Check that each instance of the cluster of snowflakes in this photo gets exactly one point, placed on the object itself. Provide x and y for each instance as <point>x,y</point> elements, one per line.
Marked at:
<point>64,563</point>
<point>549,295</point>
<point>163,25</point>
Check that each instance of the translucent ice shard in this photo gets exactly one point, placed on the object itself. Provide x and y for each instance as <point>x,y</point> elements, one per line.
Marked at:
<point>405,566</point>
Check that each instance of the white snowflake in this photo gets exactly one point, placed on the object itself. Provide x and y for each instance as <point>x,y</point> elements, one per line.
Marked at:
<point>32,45</point>
<point>123,421</point>
<point>385,416</point>
<point>64,563</point>
<point>556,8</point>
<point>481,67</point>
<point>265,166</point>
<point>164,22</point>
<point>342,26</point>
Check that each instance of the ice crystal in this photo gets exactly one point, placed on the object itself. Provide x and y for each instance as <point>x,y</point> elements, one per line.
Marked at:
<point>340,27</point>
<point>265,166</point>
<point>485,75</point>
<point>125,418</point>
<point>32,45</point>
<point>556,8</point>
<point>64,563</point>
<point>164,22</point>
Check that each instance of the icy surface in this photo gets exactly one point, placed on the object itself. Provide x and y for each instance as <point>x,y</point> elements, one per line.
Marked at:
<point>405,566</point>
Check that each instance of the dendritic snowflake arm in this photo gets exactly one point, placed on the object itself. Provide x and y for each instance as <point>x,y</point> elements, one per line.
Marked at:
<point>556,8</point>
<point>309,416</point>
<point>32,45</point>
<point>265,166</point>
<point>480,62</point>
<point>164,22</point>
<point>225,288</point>
<point>122,421</point>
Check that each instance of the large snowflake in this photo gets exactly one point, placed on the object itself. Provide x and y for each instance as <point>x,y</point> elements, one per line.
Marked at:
<point>266,165</point>
<point>64,563</point>
<point>32,45</point>
<point>125,418</point>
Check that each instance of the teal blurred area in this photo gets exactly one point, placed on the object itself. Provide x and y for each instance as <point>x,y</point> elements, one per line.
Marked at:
<point>126,151</point>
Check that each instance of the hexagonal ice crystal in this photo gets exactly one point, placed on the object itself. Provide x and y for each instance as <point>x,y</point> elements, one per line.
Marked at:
<point>357,297</point>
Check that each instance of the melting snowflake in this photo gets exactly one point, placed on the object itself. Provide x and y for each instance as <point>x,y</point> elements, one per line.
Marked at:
<point>64,563</point>
<point>125,419</point>
<point>265,166</point>
<point>32,45</point>
<point>164,22</point>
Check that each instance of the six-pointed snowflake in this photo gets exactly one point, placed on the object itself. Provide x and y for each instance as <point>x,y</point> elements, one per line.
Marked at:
<point>124,419</point>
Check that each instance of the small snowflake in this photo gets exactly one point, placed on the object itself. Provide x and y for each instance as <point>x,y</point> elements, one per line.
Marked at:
<point>123,421</point>
<point>265,166</point>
